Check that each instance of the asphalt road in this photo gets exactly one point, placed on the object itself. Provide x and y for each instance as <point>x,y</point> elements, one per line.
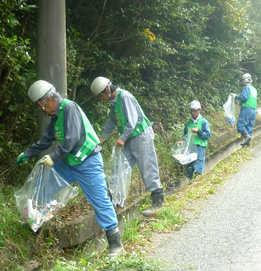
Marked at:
<point>226,235</point>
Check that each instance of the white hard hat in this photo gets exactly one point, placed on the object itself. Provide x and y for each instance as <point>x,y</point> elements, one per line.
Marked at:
<point>246,78</point>
<point>194,105</point>
<point>38,89</point>
<point>99,84</point>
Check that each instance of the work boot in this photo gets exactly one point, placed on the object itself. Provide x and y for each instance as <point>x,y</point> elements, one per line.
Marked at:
<point>157,202</point>
<point>248,143</point>
<point>114,240</point>
<point>246,137</point>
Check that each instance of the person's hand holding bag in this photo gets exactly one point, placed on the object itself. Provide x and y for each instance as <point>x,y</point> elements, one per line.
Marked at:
<point>47,160</point>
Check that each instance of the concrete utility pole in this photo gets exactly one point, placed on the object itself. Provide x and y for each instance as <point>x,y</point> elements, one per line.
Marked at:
<point>51,49</point>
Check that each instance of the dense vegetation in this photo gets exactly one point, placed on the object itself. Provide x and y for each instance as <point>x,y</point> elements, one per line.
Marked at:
<point>166,52</point>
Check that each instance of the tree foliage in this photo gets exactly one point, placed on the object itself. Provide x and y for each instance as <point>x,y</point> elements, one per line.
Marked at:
<point>16,68</point>
<point>166,52</point>
<point>198,51</point>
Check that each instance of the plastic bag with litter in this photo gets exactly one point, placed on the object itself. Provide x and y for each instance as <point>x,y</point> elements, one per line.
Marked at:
<point>43,193</point>
<point>258,110</point>
<point>230,110</point>
<point>118,176</point>
<point>185,152</point>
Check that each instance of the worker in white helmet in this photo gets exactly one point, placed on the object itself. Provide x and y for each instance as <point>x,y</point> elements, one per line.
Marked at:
<point>136,136</point>
<point>200,127</point>
<point>248,104</point>
<point>77,157</point>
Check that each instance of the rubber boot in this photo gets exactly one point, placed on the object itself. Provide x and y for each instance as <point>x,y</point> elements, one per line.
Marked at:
<point>248,143</point>
<point>114,240</point>
<point>157,202</point>
<point>246,137</point>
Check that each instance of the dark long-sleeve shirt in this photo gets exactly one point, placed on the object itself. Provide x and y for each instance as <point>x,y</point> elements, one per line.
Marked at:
<point>74,134</point>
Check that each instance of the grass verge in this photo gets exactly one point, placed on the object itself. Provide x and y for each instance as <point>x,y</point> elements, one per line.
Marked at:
<point>16,241</point>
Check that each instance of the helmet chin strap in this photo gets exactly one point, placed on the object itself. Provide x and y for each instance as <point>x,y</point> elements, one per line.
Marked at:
<point>109,94</point>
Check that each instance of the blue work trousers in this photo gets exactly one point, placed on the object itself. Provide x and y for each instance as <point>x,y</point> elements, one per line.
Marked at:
<point>90,176</point>
<point>246,120</point>
<point>197,167</point>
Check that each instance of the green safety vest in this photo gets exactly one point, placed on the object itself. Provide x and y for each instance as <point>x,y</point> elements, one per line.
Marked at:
<point>121,119</point>
<point>197,140</point>
<point>252,100</point>
<point>91,138</point>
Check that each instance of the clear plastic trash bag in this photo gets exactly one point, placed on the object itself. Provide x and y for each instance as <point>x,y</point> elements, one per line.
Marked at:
<point>230,110</point>
<point>43,193</point>
<point>185,152</point>
<point>118,176</point>
<point>258,110</point>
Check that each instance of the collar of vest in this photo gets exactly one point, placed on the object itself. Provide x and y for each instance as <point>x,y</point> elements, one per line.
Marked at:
<point>195,120</point>
<point>60,101</point>
<point>113,102</point>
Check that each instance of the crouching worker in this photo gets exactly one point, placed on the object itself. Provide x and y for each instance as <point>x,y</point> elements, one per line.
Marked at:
<point>248,103</point>
<point>200,128</point>
<point>77,157</point>
<point>136,136</point>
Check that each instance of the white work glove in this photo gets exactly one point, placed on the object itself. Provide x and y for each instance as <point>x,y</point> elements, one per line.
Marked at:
<point>47,160</point>
<point>233,95</point>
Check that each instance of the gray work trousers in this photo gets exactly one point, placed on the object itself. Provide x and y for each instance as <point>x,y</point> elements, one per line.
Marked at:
<point>140,149</point>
